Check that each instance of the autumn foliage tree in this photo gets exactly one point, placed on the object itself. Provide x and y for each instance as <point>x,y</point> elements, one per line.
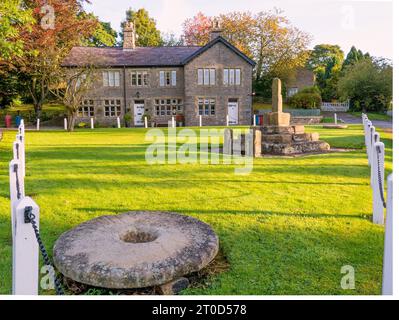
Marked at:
<point>57,28</point>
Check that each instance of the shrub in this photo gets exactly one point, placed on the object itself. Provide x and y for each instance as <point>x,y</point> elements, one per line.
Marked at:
<point>307,98</point>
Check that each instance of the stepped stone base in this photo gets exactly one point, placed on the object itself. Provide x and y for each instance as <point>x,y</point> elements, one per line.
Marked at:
<point>288,140</point>
<point>295,147</point>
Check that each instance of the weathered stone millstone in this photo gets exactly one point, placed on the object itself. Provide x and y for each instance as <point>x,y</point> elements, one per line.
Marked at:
<point>135,249</point>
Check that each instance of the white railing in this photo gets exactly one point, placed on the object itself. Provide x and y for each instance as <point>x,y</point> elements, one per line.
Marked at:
<point>25,249</point>
<point>335,106</point>
<point>376,153</point>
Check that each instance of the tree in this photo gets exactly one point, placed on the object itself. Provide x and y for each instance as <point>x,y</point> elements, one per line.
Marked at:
<point>13,18</point>
<point>326,62</point>
<point>74,84</point>
<point>146,28</point>
<point>368,84</point>
<point>171,40</point>
<point>103,35</point>
<point>196,30</point>
<point>354,55</point>
<point>56,30</point>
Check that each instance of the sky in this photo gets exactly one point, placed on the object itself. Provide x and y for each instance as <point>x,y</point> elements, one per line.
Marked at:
<point>365,24</point>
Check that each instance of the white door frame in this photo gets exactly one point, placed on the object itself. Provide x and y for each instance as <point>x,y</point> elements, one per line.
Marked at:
<point>233,120</point>
<point>137,115</point>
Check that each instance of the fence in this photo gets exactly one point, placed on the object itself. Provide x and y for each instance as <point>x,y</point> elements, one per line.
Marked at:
<point>335,106</point>
<point>375,154</point>
<point>26,241</point>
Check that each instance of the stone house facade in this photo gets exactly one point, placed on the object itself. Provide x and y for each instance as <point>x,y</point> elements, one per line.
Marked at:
<point>161,82</point>
<point>302,78</point>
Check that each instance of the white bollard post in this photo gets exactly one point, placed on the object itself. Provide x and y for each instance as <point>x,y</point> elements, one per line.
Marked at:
<point>388,248</point>
<point>38,124</point>
<point>371,144</point>
<point>200,121</point>
<point>17,188</point>
<point>227,120</point>
<point>378,183</point>
<point>374,140</point>
<point>25,271</point>
<point>173,122</point>
<point>91,123</point>
<point>65,124</point>
<point>335,118</point>
<point>21,128</point>
<point>254,119</point>
<point>20,153</point>
<point>367,141</point>
<point>118,121</point>
<point>145,122</point>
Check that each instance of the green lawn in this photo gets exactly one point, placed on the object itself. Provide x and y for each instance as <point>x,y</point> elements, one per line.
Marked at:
<point>374,116</point>
<point>287,228</point>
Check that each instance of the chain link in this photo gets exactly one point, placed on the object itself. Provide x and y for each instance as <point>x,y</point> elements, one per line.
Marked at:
<point>17,181</point>
<point>380,186</point>
<point>30,218</point>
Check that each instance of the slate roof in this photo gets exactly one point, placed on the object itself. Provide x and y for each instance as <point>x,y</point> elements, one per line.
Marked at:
<point>141,56</point>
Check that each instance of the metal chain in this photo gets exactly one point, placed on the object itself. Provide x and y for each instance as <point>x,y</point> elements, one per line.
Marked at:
<point>30,218</point>
<point>380,186</point>
<point>17,181</point>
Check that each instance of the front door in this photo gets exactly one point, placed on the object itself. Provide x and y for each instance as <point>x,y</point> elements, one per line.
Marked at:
<point>138,114</point>
<point>233,112</point>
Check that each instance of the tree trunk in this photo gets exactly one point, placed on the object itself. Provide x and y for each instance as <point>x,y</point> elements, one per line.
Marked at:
<point>38,109</point>
<point>71,122</point>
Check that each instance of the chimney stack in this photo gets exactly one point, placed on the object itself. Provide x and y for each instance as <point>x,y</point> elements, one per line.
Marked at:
<point>129,36</point>
<point>216,29</point>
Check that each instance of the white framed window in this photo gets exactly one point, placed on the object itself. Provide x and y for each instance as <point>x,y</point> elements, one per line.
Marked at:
<point>168,107</point>
<point>111,78</point>
<point>232,77</point>
<point>140,78</point>
<point>167,78</point>
<point>206,106</point>
<point>112,108</point>
<point>86,109</point>
<point>206,77</point>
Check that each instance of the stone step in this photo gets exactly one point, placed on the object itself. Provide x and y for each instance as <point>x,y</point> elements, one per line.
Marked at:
<point>295,147</point>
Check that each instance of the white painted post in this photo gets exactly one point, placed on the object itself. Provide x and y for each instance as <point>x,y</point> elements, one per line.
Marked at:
<point>335,118</point>
<point>25,271</point>
<point>254,119</point>
<point>20,153</point>
<point>173,122</point>
<point>145,122</point>
<point>370,137</point>
<point>118,121</point>
<point>65,124</point>
<point>388,247</point>
<point>37,124</point>
<point>21,128</point>
<point>378,206</point>
<point>91,123</point>
<point>375,138</point>
<point>17,188</point>
<point>227,120</point>
<point>200,121</point>
<point>367,141</point>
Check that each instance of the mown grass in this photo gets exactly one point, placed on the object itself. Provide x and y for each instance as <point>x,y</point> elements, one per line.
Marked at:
<point>374,116</point>
<point>286,228</point>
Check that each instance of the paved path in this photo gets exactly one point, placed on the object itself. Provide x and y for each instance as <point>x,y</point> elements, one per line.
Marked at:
<point>351,119</point>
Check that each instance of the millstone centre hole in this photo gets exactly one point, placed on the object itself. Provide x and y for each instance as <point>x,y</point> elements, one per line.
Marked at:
<point>138,237</point>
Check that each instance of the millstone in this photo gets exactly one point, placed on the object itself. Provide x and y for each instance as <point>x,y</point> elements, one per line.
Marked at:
<point>135,249</point>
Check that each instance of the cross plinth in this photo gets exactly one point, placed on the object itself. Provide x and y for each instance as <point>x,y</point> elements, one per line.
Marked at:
<point>277,117</point>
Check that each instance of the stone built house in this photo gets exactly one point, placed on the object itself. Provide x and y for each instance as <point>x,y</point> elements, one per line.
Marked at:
<point>302,78</point>
<point>212,81</point>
